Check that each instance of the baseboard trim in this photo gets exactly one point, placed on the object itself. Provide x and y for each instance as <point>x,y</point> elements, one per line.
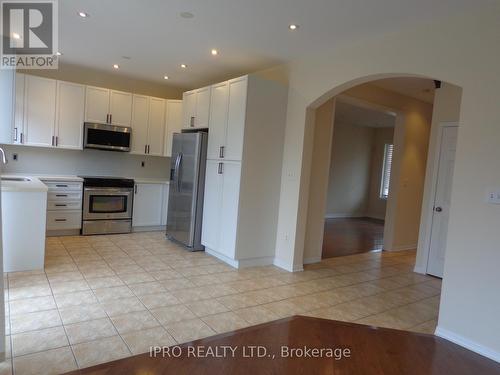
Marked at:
<point>343,216</point>
<point>149,229</point>
<point>312,260</point>
<point>420,269</point>
<point>468,344</point>
<point>225,259</point>
<point>255,262</point>
<point>288,267</point>
<point>402,247</point>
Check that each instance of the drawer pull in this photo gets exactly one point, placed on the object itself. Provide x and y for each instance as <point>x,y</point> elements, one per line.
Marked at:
<point>61,195</point>
<point>61,185</point>
<point>60,220</point>
<point>61,205</point>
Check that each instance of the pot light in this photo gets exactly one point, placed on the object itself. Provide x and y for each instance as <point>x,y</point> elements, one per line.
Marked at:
<point>16,36</point>
<point>215,52</point>
<point>183,66</point>
<point>116,66</point>
<point>83,14</point>
<point>293,27</point>
<point>165,77</point>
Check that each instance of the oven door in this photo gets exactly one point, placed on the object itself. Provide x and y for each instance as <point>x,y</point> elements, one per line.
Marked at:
<point>107,203</point>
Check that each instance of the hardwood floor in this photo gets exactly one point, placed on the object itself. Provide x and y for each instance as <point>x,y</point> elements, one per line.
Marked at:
<point>352,236</point>
<point>356,349</point>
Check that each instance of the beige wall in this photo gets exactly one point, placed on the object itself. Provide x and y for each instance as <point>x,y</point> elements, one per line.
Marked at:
<point>350,168</point>
<point>376,206</point>
<point>463,50</point>
<point>112,80</point>
<point>323,130</point>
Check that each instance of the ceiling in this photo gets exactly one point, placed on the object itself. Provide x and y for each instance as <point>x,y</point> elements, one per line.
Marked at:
<point>350,114</point>
<point>249,34</point>
<point>418,88</point>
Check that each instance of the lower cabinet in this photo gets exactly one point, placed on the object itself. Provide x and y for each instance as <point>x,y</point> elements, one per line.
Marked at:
<point>64,206</point>
<point>150,202</point>
<point>220,211</point>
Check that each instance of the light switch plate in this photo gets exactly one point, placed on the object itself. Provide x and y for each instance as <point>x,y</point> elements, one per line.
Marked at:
<point>493,197</point>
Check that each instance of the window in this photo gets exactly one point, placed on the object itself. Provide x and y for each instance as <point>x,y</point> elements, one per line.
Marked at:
<point>386,171</point>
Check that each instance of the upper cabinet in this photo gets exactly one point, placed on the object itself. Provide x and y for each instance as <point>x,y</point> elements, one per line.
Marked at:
<point>218,120</point>
<point>173,123</point>
<point>156,126</point>
<point>196,105</point>
<point>70,109</point>
<point>140,118</point>
<point>108,106</point>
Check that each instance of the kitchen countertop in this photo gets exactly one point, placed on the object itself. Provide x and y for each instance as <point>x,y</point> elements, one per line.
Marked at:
<point>33,185</point>
<point>162,181</point>
<point>73,178</point>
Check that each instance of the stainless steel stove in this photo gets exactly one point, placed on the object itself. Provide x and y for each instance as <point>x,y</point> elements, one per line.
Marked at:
<point>107,205</point>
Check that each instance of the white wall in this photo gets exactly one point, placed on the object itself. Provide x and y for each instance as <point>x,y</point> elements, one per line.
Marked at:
<point>37,160</point>
<point>350,169</point>
<point>462,50</point>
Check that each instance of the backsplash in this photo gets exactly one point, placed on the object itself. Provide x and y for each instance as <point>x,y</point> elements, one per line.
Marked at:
<point>36,160</point>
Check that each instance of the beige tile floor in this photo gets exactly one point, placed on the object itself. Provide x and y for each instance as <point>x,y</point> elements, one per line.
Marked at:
<point>106,297</point>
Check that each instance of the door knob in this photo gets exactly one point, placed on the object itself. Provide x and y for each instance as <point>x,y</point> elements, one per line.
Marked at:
<point>438,209</point>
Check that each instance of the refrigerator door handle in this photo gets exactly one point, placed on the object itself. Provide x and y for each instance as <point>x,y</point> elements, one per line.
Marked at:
<point>179,177</point>
<point>177,171</point>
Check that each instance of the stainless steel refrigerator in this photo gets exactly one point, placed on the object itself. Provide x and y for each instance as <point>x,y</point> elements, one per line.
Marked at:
<point>187,185</point>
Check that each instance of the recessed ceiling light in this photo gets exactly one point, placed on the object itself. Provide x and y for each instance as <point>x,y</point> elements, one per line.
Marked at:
<point>293,26</point>
<point>165,77</point>
<point>16,36</point>
<point>187,15</point>
<point>116,66</point>
<point>83,14</point>
<point>58,53</point>
<point>215,52</point>
<point>183,66</point>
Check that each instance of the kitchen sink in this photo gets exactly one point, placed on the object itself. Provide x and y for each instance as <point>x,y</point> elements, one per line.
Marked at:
<point>16,179</point>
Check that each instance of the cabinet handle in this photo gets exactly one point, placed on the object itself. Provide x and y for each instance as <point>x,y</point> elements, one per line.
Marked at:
<point>57,140</point>
<point>220,170</point>
<point>61,185</point>
<point>60,219</point>
<point>192,122</point>
<point>145,149</point>
<point>148,148</point>
<point>61,195</point>
<point>135,189</point>
<point>61,205</point>
<point>110,118</point>
<point>15,134</point>
<point>53,140</point>
<point>221,152</point>
<point>22,138</point>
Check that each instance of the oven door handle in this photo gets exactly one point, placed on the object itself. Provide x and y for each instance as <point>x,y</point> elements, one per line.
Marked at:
<point>109,191</point>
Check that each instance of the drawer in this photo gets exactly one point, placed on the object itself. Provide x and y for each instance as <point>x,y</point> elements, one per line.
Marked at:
<point>64,205</point>
<point>64,220</point>
<point>63,186</point>
<point>64,196</point>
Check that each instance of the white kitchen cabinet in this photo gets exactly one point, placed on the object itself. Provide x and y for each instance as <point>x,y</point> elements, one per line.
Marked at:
<point>212,205</point>
<point>243,173</point>
<point>70,115</point>
<point>218,120</point>
<point>148,205</point>
<point>96,104</point>
<point>196,108</point>
<point>156,127</point>
<point>7,87</point>
<point>173,123</point>
<point>39,111</point>
<point>18,136</point>
<point>140,118</point>
<point>120,108</point>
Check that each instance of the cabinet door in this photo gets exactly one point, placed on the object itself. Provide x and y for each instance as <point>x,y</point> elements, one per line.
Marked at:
<point>7,95</point>
<point>148,208</point>
<point>96,104</point>
<point>156,129</point>
<point>212,206</point>
<point>173,123</point>
<point>140,118</point>
<point>229,208</point>
<point>218,121</point>
<point>70,113</point>
<point>39,111</point>
<point>120,108</point>
<point>202,107</point>
<point>189,109</point>
<point>19,108</point>
<point>236,116</point>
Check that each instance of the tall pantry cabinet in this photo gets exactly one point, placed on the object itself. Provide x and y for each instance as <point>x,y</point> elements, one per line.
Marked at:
<point>243,173</point>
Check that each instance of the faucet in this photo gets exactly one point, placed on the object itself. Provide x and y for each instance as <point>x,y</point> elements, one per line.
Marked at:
<point>4,159</point>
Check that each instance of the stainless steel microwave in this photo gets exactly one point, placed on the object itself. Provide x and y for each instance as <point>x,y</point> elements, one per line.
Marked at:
<point>106,137</point>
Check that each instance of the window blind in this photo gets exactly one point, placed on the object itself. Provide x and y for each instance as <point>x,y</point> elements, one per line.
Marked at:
<point>386,171</point>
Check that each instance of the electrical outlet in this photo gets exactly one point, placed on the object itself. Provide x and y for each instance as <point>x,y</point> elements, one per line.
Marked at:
<point>143,164</point>
<point>14,157</point>
<point>493,197</point>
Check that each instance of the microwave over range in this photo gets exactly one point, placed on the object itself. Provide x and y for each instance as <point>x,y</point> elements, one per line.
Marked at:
<point>107,137</point>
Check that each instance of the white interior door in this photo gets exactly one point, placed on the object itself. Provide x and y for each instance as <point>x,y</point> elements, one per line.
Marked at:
<point>441,213</point>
